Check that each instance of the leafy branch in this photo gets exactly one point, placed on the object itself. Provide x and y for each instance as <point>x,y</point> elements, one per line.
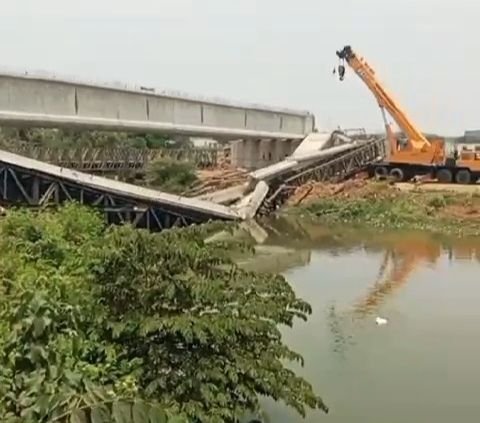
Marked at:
<point>120,325</point>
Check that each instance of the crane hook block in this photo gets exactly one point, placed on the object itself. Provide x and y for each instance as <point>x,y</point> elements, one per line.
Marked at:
<point>341,72</point>
<point>346,53</point>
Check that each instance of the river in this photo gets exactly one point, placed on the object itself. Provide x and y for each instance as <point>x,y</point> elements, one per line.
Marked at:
<point>422,366</point>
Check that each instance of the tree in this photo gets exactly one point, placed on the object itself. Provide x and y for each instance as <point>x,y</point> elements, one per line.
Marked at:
<point>55,364</point>
<point>171,175</point>
<point>97,320</point>
<point>67,138</point>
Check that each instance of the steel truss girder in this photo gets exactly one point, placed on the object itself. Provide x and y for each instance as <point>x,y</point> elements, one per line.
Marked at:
<point>107,160</point>
<point>23,187</point>
<point>333,169</point>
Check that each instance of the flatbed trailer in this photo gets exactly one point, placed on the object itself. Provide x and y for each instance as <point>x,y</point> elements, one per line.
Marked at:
<point>447,173</point>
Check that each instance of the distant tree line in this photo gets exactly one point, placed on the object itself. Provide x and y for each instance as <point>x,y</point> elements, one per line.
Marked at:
<point>65,138</point>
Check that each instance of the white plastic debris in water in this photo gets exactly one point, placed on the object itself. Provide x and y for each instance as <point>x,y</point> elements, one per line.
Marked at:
<point>381,321</point>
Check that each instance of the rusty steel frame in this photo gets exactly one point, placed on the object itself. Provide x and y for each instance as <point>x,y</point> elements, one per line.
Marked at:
<point>24,187</point>
<point>333,169</point>
<point>107,160</point>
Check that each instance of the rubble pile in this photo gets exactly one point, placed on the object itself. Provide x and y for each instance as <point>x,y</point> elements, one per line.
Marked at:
<point>217,179</point>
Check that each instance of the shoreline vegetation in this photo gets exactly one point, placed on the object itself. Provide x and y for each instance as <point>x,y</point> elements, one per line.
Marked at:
<point>118,324</point>
<point>383,206</point>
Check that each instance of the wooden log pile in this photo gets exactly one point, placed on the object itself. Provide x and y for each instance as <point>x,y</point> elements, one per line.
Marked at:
<point>214,180</point>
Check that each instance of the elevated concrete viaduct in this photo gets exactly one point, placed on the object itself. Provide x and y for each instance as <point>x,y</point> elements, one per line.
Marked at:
<point>263,134</point>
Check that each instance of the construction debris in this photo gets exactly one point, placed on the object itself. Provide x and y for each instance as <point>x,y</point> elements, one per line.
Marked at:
<point>315,190</point>
<point>213,180</point>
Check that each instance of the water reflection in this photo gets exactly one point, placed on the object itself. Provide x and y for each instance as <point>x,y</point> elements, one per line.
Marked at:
<point>340,339</point>
<point>422,366</point>
<point>403,252</point>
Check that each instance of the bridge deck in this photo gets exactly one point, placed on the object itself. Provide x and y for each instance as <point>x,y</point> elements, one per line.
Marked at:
<point>28,181</point>
<point>49,101</point>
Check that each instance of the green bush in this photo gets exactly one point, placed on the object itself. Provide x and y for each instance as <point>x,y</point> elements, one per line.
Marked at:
<point>437,202</point>
<point>65,138</point>
<point>116,324</point>
<point>170,175</point>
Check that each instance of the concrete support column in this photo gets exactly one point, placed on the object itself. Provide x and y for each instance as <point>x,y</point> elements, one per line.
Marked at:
<point>288,147</point>
<point>237,153</point>
<point>280,151</point>
<point>267,152</point>
<point>252,154</point>
<point>256,154</point>
<point>245,153</point>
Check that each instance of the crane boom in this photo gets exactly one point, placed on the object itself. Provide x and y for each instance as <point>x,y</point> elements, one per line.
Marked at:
<point>416,138</point>
<point>419,156</point>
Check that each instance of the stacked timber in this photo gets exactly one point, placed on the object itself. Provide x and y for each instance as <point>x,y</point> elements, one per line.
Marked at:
<point>215,180</point>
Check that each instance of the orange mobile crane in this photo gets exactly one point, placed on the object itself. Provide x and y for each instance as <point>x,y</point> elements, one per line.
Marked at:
<point>416,155</point>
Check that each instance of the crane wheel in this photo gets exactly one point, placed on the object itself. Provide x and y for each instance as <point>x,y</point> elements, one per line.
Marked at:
<point>381,173</point>
<point>444,176</point>
<point>397,174</point>
<point>463,177</point>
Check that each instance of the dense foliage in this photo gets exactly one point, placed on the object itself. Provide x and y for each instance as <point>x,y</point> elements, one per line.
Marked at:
<point>64,138</point>
<point>171,175</point>
<point>115,324</point>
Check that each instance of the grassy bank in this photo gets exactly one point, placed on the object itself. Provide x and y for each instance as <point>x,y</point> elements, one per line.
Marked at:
<point>384,206</point>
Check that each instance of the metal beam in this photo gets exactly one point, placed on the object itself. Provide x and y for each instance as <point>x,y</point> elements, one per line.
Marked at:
<point>339,167</point>
<point>108,160</point>
<point>28,182</point>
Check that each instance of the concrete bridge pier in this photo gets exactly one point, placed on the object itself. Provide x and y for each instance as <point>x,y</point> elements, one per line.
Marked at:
<point>254,154</point>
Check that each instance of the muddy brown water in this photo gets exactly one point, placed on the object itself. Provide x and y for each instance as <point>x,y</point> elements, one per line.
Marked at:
<point>423,366</point>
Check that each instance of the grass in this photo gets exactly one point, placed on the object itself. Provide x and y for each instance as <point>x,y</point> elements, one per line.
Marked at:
<point>386,208</point>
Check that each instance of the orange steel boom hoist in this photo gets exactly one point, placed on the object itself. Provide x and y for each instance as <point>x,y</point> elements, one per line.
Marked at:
<point>417,155</point>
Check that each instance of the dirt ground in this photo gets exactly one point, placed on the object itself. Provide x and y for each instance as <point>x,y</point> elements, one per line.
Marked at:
<point>461,211</point>
<point>361,186</point>
<point>452,201</point>
<point>436,187</point>
<point>463,200</point>
<point>352,188</point>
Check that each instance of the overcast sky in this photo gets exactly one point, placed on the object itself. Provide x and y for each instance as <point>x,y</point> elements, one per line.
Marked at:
<point>275,52</point>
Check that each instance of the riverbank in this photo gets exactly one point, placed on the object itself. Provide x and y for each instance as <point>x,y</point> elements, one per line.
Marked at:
<point>385,206</point>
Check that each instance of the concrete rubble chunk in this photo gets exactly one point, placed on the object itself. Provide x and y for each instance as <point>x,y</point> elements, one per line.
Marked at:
<point>312,143</point>
<point>248,207</point>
